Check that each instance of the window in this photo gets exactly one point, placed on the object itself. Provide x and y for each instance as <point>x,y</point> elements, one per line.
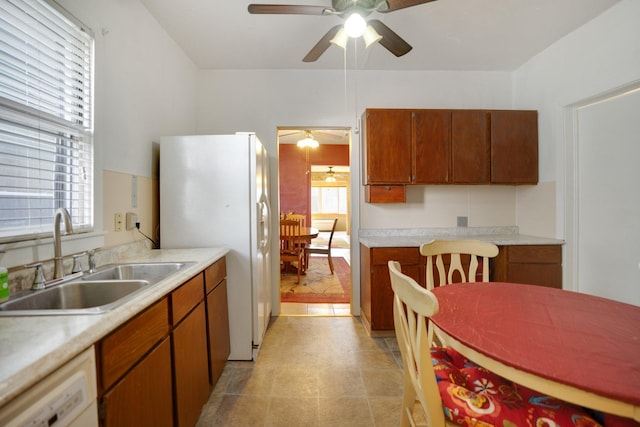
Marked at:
<point>46,119</point>
<point>329,200</point>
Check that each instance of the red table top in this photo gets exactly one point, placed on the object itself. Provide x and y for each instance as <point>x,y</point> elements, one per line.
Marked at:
<point>584,341</point>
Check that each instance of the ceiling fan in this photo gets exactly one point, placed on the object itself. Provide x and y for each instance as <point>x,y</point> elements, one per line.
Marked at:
<point>345,9</point>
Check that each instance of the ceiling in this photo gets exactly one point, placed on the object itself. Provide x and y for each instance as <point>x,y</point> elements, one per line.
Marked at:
<point>445,34</point>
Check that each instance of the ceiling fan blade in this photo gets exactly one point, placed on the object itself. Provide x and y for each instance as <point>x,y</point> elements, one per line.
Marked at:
<point>390,40</point>
<point>288,9</point>
<point>322,45</point>
<point>401,4</point>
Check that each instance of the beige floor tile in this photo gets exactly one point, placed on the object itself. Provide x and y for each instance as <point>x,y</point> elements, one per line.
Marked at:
<point>311,371</point>
<point>345,412</point>
<point>285,411</point>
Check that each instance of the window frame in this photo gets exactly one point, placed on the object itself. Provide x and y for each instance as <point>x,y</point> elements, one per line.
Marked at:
<point>67,134</point>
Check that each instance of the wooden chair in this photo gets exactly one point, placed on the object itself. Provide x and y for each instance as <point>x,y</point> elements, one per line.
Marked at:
<point>291,249</point>
<point>451,389</point>
<point>455,248</point>
<point>412,307</point>
<point>322,249</point>
<point>298,217</point>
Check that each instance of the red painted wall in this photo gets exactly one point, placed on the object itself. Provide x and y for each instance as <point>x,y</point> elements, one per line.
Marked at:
<point>295,183</point>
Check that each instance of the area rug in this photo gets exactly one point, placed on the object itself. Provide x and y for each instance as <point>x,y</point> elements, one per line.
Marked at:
<point>318,285</point>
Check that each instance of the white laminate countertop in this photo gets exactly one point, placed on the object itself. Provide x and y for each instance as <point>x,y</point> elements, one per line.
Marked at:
<point>501,236</point>
<point>33,347</point>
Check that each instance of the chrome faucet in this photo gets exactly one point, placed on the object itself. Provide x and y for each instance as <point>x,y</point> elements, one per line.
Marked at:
<point>61,213</point>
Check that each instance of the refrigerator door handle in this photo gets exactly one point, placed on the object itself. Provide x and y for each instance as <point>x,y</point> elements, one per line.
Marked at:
<point>265,217</point>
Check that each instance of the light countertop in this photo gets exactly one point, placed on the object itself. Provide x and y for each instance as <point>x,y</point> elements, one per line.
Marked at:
<point>33,347</point>
<point>501,236</point>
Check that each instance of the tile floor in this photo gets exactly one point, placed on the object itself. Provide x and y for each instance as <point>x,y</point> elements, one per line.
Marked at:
<point>311,371</point>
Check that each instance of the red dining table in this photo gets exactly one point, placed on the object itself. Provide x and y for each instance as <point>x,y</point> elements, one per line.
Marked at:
<point>576,347</point>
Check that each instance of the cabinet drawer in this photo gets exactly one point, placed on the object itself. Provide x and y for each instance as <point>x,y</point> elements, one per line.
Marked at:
<point>215,274</point>
<point>405,256</point>
<point>385,193</point>
<point>119,351</point>
<point>535,254</point>
<point>186,297</point>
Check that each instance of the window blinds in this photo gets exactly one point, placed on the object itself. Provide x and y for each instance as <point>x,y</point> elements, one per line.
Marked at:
<point>46,110</point>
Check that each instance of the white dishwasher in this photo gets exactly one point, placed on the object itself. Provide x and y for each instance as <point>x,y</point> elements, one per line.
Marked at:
<point>67,397</point>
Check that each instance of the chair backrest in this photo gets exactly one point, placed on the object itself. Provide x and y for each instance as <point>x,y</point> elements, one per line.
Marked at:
<point>298,217</point>
<point>412,307</point>
<point>474,249</point>
<point>333,229</point>
<point>289,235</point>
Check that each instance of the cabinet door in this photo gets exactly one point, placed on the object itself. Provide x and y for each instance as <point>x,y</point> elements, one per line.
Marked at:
<point>514,147</point>
<point>470,147</point>
<point>379,291</point>
<point>144,396</point>
<point>191,367</point>
<point>432,138</point>
<point>530,264</point>
<point>218,323</point>
<point>388,146</point>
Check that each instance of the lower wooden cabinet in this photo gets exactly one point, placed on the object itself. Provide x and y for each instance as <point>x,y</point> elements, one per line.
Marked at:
<point>529,264</point>
<point>156,369</point>
<point>191,366</point>
<point>217,319</point>
<point>376,295</point>
<point>144,397</point>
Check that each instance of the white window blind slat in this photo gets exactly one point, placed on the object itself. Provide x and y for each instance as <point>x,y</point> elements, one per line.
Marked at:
<point>46,123</point>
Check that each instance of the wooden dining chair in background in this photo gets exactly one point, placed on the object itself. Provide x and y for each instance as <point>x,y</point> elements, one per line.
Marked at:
<point>298,217</point>
<point>291,249</point>
<point>455,272</point>
<point>321,249</point>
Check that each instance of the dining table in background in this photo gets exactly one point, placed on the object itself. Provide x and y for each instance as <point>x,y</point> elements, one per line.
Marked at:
<point>576,347</point>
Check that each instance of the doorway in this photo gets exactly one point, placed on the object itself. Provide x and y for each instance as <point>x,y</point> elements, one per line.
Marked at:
<point>313,182</point>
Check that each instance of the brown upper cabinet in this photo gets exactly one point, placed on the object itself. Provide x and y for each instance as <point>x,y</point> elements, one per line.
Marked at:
<point>388,152</point>
<point>404,146</point>
<point>514,147</point>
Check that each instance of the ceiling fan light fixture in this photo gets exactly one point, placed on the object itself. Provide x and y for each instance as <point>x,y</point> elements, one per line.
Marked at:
<point>331,175</point>
<point>341,38</point>
<point>370,36</point>
<point>308,141</point>
<point>355,25</point>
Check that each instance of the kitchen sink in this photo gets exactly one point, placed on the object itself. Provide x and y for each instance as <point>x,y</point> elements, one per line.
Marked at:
<point>151,272</point>
<point>76,297</point>
<point>94,293</point>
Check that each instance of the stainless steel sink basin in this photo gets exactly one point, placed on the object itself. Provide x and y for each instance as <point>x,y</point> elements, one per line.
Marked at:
<point>95,293</point>
<point>152,272</point>
<point>77,297</point>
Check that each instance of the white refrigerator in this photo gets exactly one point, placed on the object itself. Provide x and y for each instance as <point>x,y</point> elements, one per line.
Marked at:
<point>214,192</point>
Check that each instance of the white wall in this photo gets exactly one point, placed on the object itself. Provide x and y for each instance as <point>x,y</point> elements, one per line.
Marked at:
<point>597,58</point>
<point>145,84</point>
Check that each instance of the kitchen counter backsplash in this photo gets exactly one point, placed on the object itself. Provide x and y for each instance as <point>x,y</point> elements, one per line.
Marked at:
<point>414,237</point>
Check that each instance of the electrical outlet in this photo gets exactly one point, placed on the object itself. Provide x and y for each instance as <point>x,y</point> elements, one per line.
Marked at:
<point>132,218</point>
<point>117,222</point>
